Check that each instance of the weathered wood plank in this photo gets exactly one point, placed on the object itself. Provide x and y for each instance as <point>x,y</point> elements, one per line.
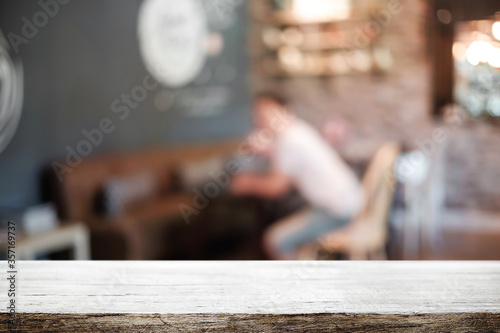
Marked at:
<point>258,323</point>
<point>257,296</point>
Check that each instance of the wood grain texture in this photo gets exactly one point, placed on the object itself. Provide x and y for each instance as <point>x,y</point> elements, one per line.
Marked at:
<point>258,323</point>
<point>257,296</point>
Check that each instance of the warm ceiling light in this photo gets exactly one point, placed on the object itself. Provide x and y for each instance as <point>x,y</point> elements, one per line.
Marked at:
<point>495,29</point>
<point>477,52</point>
<point>494,57</point>
<point>321,10</point>
<point>459,50</point>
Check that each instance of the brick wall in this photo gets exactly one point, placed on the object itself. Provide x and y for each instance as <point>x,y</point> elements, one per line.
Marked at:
<point>473,167</point>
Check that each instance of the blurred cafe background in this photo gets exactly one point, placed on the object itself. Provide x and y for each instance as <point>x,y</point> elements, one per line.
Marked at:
<point>120,118</point>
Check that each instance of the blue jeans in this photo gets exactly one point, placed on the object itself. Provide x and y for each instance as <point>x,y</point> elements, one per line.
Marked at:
<point>315,223</point>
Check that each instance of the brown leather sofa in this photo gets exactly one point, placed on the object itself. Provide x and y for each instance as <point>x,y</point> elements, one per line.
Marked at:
<point>153,229</point>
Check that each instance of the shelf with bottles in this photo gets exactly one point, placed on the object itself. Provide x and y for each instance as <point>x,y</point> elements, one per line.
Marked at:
<point>291,62</point>
<point>318,37</point>
<point>312,38</point>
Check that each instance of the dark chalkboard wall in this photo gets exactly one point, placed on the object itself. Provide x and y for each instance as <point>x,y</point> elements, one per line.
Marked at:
<point>85,57</point>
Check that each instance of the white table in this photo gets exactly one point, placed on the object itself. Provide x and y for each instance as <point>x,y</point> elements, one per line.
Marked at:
<point>257,296</point>
<point>74,236</point>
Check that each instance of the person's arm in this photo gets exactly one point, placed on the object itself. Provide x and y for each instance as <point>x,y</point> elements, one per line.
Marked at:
<point>270,185</point>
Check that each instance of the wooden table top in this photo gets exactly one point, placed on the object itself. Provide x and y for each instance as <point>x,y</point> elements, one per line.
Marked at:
<point>264,294</point>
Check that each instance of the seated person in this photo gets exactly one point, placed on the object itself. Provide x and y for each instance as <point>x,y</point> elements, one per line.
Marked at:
<point>302,158</point>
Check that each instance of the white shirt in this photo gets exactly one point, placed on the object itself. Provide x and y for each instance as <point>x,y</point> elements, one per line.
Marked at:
<point>317,170</point>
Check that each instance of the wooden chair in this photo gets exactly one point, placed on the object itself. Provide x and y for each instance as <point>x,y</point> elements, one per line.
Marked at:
<point>366,235</point>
